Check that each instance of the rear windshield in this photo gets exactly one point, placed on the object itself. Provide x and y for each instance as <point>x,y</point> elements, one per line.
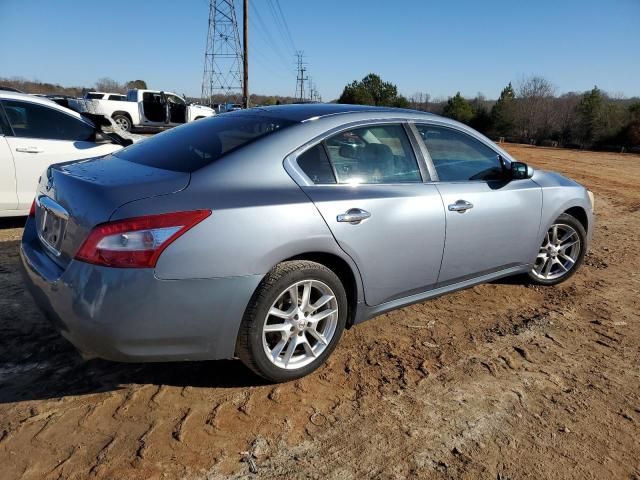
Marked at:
<point>191,147</point>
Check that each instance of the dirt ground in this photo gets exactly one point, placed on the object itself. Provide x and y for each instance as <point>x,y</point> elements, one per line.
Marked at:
<point>502,381</point>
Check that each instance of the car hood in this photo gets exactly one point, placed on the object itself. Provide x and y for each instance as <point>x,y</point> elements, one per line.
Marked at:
<point>546,178</point>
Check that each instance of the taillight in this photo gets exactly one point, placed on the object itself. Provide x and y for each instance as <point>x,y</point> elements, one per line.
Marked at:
<point>32,210</point>
<point>136,242</point>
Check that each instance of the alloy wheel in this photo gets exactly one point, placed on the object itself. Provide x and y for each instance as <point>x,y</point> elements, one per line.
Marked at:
<point>300,324</point>
<point>558,253</point>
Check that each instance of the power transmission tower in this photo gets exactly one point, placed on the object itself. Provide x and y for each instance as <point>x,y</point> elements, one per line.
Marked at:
<point>223,57</point>
<point>301,78</point>
<point>245,54</point>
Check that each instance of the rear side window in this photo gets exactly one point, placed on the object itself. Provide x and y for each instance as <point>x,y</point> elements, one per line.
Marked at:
<point>374,154</point>
<point>94,96</point>
<point>193,146</point>
<point>38,121</point>
<point>315,164</point>
<point>119,98</point>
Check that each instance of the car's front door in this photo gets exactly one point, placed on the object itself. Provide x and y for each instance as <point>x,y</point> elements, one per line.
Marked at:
<point>43,135</point>
<point>177,109</point>
<point>492,220</point>
<point>8,195</point>
<point>154,108</point>
<point>367,184</point>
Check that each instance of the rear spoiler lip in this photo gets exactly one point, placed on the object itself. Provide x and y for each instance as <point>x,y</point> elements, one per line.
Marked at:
<point>108,127</point>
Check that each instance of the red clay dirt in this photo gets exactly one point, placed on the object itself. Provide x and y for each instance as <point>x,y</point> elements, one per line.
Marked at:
<point>499,381</point>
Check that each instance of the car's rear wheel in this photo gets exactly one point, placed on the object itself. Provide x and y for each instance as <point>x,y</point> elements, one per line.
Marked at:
<point>561,253</point>
<point>293,322</point>
<point>123,122</point>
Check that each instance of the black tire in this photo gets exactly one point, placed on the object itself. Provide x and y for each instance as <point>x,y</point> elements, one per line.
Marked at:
<point>565,219</point>
<point>123,121</point>
<point>249,345</point>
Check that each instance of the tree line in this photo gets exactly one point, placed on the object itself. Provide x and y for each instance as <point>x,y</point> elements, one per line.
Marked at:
<point>529,112</point>
<point>104,84</point>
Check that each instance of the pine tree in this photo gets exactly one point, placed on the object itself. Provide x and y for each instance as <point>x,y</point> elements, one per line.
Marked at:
<point>458,108</point>
<point>590,116</point>
<point>503,112</point>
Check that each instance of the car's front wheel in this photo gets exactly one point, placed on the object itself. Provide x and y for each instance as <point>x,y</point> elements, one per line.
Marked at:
<point>561,253</point>
<point>293,322</point>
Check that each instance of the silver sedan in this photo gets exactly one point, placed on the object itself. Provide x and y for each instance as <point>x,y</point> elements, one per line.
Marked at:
<point>263,234</point>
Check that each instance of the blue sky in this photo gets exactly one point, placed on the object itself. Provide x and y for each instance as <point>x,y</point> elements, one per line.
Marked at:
<point>438,47</point>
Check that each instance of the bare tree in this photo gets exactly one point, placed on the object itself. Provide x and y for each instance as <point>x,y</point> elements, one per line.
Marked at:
<point>107,84</point>
<point>535,110</point>
<point>420,101</point>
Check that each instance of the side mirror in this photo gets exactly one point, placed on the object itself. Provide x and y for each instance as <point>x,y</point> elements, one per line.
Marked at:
<point>520,171</point>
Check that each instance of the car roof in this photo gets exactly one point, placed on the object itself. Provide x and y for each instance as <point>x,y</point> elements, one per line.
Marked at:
<point>306,111</point>
<point>40,101</point>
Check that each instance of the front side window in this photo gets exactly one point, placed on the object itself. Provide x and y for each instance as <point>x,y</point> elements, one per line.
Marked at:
<point>175,99</point>
<point>460,157</point>
<point>38,121</point>
<point>374,154</point>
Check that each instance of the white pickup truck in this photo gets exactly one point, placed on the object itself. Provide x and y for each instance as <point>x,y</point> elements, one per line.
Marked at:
<point>142,108</point>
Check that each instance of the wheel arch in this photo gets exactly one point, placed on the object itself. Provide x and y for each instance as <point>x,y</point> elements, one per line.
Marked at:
<point>344,271</point>
<point>579,214</point>
<point>123,113</point>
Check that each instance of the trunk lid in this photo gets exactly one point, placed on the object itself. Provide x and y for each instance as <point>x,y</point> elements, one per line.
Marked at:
<point>74,197</point>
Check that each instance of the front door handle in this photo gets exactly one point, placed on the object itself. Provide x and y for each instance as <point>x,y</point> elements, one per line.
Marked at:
<point>460,206</point>
<point>29,149</point>
<point>353,216</point>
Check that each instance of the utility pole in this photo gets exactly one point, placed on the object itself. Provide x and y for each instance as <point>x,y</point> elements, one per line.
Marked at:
<point>301,78</point>
<point>223,57</point>
<point>245,54</point>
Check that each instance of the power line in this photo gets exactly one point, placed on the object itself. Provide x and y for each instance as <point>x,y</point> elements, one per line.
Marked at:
<point>264,31</point>
<point>286,26</point>
<point>282,29</point>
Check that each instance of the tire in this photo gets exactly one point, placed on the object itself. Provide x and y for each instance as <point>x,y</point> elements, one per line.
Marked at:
<point>565,260</point>
<point>123,122</point>
<point>267,353</point>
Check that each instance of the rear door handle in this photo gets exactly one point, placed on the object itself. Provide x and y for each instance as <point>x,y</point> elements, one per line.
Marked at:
<point>29,149</point>
<point>460,206</point>
<point>353,216</point>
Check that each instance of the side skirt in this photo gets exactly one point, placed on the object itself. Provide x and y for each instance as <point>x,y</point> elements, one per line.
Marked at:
<point>365,312</point>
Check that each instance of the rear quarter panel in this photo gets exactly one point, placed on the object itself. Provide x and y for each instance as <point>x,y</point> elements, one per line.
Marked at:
<point>260,217</point>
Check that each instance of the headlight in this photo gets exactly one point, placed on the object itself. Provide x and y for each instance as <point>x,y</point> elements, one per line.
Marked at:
<point>591,200</point>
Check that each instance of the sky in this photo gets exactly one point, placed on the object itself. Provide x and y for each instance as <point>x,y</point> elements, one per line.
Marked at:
<point>438,47</point>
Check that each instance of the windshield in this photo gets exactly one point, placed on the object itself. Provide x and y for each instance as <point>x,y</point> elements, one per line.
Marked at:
<point>191,147</point>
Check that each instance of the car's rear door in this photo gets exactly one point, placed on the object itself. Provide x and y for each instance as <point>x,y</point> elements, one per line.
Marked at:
<point>43,135</point>
<point>368,185</point>
<point>492,221</point>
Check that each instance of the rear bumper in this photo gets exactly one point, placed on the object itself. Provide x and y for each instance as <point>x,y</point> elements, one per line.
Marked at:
<point>130,315</point>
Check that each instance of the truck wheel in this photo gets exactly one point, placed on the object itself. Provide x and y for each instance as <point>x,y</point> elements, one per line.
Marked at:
<point>123,122</point>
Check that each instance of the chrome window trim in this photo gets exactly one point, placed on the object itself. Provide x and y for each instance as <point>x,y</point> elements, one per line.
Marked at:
<point>291,166</point>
